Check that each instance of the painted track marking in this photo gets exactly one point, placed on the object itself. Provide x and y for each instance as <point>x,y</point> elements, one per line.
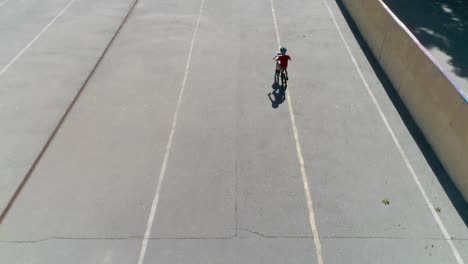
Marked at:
<point>305,181</point>
<point>162,173</point>
<point>35,38</point>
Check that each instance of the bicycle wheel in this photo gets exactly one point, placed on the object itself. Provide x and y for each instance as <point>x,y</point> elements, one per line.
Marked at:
<point>283,80</point>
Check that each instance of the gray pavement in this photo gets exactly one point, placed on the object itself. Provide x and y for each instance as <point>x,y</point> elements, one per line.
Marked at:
<point>37,88</point>
<point>232,191</point>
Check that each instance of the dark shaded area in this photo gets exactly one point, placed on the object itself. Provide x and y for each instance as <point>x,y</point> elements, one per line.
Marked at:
<point>446,182</point>
<point>278,95</point>
<point>438,23</point>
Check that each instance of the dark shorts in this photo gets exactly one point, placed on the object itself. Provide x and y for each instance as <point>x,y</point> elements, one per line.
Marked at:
<point>281,68</point>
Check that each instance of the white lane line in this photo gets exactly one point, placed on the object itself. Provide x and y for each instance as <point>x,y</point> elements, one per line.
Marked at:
<point>273,12</point>
<point>305,181</point>
<point>397,142</point>
<point>162,173</point>
<point>35,38</point>
<point>1,3</point>
<point>313,225</point>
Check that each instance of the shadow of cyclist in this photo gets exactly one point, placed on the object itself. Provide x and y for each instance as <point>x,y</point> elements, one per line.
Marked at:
<point>278,96</point>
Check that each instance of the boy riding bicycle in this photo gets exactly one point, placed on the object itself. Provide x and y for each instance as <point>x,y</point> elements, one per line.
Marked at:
<point>282,58</point>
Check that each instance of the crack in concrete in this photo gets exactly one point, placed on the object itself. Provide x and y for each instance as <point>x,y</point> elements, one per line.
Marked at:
<point>262,235</point>
<point>235,204</point>
<point>111,238</point>
<point>236,191</point>
<point>272,236</point>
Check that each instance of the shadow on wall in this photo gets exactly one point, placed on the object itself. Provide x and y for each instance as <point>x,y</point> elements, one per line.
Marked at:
<point>441,24</point>
<point>446,182</point>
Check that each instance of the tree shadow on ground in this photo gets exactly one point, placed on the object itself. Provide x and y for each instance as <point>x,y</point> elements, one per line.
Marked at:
<point>445,181</point>
<point>441,24</point>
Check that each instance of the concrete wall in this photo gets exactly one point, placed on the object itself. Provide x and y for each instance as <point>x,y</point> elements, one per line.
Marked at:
<point>439,107</point>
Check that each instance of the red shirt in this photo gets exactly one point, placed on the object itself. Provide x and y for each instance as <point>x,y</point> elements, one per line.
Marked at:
<point>284,60</point>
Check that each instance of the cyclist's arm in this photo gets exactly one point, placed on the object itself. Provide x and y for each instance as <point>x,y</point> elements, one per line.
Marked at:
<point>276,56</point>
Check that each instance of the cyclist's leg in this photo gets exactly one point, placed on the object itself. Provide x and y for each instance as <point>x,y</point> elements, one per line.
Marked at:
<point>277,73</point>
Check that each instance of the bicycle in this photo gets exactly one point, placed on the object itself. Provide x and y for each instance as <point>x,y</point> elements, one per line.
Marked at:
<point>284,80</point>
<point>281,72</point>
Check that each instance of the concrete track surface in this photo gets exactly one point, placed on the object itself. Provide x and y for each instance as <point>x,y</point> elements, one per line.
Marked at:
<point>144,134</point>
